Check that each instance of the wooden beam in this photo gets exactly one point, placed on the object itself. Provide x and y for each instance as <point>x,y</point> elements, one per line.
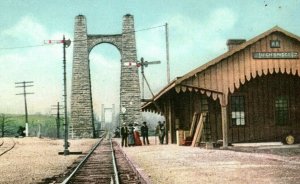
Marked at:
<point>224,126</point>
<point>192,129</point>
<point>166,115</point>
<point>171,125</point>
<point>146,100</point>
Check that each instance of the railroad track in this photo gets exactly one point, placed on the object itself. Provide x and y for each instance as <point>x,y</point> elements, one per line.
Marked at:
<point>105,163</point>
<point>6,145</point>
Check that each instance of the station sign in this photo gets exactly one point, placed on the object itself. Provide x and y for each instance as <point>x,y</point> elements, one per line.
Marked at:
<point>275,55</point>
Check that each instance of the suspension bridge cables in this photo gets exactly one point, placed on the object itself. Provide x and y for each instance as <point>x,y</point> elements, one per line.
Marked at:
<point>42,45</point>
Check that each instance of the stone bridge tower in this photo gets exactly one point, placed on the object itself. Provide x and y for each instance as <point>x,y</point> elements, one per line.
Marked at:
<point>82,123</point>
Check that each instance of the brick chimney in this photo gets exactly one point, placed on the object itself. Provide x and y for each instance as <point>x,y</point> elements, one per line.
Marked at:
<point>233,43</point>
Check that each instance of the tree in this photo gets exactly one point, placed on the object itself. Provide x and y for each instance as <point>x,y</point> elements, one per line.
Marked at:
<point>4,121</point>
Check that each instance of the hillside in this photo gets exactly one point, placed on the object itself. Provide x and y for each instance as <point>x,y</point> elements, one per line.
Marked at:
<point>47,125</point>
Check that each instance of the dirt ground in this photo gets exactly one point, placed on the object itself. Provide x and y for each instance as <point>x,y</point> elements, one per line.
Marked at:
<point>34,159</point>
<point>172,164</point>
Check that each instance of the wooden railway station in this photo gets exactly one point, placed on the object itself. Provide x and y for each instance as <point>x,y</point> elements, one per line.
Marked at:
<point>249,94</point>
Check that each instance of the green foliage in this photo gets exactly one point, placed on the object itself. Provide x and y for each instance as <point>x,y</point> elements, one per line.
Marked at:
<point>5,129</point>
<point>45,123</point>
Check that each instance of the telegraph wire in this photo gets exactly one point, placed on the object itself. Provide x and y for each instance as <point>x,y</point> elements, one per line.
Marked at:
<point>22,47</point>
<point>145,29</point>
<point>42,45</point>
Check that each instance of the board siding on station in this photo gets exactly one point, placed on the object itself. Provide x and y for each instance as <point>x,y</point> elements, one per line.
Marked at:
<point>260,81</point>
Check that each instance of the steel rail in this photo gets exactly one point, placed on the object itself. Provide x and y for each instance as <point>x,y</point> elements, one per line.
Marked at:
<point>14,144</point>
<point>82,162</point>
<point>143,179</point>
<point>114,163</point>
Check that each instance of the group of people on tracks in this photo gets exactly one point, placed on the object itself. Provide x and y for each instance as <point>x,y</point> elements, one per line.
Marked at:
<point>131,137</point>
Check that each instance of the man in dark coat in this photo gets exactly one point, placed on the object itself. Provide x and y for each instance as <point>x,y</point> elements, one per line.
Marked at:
<point>144,132</point>
<point>124,135</point>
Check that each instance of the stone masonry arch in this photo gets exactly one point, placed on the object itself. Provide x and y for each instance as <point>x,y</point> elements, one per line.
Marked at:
<point>115,40</point>
<point>82,121</point>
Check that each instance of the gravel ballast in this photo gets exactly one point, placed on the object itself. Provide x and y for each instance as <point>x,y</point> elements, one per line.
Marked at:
<point>34,159</point>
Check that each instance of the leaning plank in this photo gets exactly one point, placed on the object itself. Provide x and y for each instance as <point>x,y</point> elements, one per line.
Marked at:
<point>197,135</point>
<point>192,130</point>
<point>197,130</point>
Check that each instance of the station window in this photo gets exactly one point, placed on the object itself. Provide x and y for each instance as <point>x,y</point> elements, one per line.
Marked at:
<point>281,110</point>
<point>237,110</point>
<point>275,44</point>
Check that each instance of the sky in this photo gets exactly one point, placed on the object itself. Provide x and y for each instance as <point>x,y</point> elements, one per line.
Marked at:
<point>198,31</point>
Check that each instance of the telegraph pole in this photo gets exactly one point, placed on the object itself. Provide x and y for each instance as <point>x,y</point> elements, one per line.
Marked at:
<point>57,108</point>
<point>24,85</point>
<point>167,53</point>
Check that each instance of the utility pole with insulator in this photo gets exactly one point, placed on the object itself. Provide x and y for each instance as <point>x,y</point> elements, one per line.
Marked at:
<point>24,85</point>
